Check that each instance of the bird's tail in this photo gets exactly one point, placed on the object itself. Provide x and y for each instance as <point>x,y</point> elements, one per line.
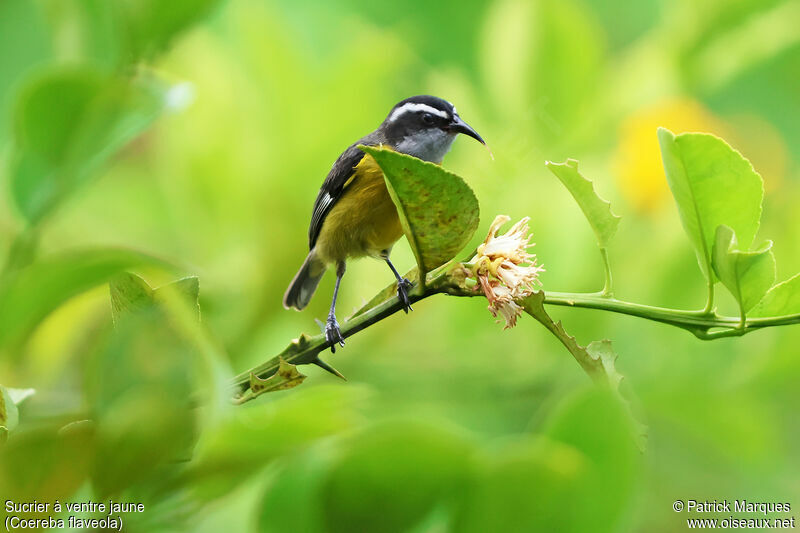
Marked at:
<point>305,282</point>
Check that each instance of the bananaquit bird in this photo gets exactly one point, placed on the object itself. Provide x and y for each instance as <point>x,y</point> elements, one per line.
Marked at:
<point>354,215</point>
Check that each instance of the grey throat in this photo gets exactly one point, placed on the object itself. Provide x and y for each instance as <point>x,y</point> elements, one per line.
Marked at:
<point>428,145</point>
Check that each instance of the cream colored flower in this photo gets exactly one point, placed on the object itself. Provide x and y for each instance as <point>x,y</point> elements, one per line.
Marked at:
<point>505,270</point>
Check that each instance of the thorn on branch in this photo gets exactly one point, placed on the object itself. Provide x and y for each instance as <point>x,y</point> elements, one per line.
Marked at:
<point>325,366</point>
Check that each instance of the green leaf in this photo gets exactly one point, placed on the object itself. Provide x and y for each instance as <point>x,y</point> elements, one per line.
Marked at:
<point>116,35</point>
<point>392,475</point>
<point>39,462</point>
<point>747,275</point>
<point>782,299</point>
<point>152,24</point>
<point>526,485</point>
<point>286,377</point>
<point>28,295</point>
<point>603,354</point>
<point>586,451</point>
<point>141,428</point>
<point>603,430</point>
<point>149,324</point>
<point>597,211</point>
<point>141,383</point>
<point>9,416</point>
<point>597,360</point>
<point>252,436</point>
<point>289,504</point>
<point>713,185</point>
<point>131,294</point>
<point>24,47</point>
<point>9,400</point>
<point>438,211</point>
<point>20,395</point>
<point>186,290</point>
<point>67,124</point>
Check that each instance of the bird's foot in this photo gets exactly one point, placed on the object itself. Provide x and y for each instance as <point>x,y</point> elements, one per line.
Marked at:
<point>403,287</point>
<point>332,333</point>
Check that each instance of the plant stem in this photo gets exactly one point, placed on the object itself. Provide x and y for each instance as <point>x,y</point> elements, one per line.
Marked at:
<point>709,308</point>
<point>305,350</point>
<point>608,289</point>
<point>699,323</point>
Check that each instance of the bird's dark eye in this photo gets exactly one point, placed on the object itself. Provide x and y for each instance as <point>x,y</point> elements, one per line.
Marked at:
<point>427,118</point>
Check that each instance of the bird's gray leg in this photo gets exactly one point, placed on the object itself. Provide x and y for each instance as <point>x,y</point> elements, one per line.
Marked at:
<point>403,285</point>
<point>332,332</point>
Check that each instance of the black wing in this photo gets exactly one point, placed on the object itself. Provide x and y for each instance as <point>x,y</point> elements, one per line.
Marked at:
<point>333,185</point>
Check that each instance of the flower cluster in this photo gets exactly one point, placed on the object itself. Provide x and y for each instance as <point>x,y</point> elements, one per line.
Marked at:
<point>505,270</point>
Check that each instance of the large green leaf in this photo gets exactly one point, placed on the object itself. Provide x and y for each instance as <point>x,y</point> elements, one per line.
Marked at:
<point>139,430</point>
<point>438,211</point>
<point>748,275</point>
<point>604,431</point>
<point>782,299</point>
<point>525,485</point>
<point>587,450</point>
<point>597,211</point>
<point>115,35</point>
<point>28,295</point>
<point>237,447</point>
<point>24,46</point>
<point>67,124</point>
<point>713,185</point>
<point>140,385</point>
<point>761,83</point>
<point>152,24</point>
<point>290,502</point>
<point>39,462</point>
<point>391,476</point>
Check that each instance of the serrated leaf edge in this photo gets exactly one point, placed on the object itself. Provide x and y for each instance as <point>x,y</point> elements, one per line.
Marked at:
<point>573,163</point>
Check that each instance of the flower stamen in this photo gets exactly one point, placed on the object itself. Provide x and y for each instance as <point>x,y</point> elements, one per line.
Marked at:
<point>505,270</point>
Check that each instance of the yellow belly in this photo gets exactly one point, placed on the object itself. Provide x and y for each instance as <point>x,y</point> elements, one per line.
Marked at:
<point>363,221</point>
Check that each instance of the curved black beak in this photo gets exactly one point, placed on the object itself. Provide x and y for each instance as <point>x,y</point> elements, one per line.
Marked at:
<point>459,126</point>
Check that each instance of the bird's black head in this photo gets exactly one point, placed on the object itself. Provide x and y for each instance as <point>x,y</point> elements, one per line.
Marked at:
<point>425,126</point>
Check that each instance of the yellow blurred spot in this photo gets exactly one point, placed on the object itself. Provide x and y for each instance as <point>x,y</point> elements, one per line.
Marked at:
<point>637,159</point>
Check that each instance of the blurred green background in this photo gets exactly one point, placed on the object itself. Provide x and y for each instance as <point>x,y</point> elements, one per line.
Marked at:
<point>207,130</point>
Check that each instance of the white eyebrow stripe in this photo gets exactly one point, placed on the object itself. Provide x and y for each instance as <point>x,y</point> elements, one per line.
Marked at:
<point>412,106</point>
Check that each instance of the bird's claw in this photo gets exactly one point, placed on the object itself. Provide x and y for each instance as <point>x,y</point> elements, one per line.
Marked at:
<point>333,334</point>
<point>403,287</point>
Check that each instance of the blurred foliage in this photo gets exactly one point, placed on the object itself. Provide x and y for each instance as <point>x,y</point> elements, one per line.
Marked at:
<point>189,138</point>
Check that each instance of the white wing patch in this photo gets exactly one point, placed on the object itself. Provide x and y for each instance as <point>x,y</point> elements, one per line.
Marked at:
<point>322,209</point>
<point>412,106</point>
